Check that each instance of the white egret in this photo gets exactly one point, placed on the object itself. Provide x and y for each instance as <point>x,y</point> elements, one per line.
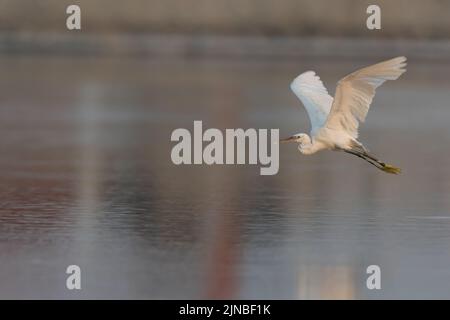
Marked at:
<point>335,122</point>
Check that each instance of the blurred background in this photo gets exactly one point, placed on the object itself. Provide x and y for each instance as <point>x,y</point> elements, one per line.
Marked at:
<point>86,175</point>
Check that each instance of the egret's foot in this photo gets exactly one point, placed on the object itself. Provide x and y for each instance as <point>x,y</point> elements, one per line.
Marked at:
<point>391,169</point>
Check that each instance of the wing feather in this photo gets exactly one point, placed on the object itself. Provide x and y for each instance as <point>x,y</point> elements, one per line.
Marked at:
<point>310,90</point>
<point>354,94</point>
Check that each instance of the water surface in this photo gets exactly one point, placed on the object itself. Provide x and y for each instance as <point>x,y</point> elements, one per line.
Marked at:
<point>87,179</point>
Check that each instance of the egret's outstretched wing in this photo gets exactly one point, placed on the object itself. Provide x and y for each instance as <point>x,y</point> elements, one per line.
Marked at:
<point>310,90</point>
<point>355,92</point>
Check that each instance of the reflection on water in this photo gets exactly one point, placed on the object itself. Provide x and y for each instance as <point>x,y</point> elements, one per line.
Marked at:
<point>87,179</point>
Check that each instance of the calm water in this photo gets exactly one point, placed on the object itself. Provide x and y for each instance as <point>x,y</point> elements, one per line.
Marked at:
<point>86,179</point>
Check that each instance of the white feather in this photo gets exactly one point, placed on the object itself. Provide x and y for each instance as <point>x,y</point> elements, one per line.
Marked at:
<point>310,90</point>
<point>354,94</point>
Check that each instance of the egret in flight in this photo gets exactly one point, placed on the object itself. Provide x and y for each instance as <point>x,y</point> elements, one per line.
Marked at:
<point>335,121</point>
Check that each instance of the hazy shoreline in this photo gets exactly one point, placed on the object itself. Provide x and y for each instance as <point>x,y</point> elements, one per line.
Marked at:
<point>184,45</point>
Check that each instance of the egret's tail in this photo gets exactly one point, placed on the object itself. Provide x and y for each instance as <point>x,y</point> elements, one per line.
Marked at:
<point>361,152</point>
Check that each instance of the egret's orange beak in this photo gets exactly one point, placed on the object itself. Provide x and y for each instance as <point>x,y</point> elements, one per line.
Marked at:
<point>288,139</point>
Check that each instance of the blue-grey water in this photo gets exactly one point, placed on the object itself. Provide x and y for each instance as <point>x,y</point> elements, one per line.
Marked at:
<point>87,179</point>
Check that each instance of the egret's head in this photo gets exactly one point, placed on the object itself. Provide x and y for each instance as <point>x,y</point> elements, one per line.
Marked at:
<point>299,137</point>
